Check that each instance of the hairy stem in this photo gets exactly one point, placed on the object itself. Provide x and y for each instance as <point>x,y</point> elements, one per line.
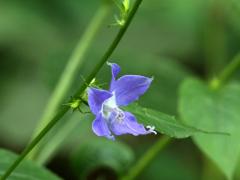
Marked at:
<point>62,112</point>
<point>71,70</point>
<point>145,160</point>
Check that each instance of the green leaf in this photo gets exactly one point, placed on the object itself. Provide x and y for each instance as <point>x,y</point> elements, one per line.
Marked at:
<point>27,169</point>
<point>102,156</point>
<point>214,110</point>
<point>163,123</point>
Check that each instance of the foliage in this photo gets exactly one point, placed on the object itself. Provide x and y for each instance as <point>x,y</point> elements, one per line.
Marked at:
<point>28,170</point>
<point>173,41</point>
<point>219,111</point>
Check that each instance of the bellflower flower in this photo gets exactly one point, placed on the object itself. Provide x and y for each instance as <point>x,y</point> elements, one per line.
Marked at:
<point>105,105</point>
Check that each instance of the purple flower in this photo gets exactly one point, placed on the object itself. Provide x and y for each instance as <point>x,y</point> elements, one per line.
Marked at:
<point>105,105</point>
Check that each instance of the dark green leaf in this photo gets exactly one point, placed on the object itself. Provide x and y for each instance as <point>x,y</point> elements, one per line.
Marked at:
<point>163,123</point>
<point>101,156</point>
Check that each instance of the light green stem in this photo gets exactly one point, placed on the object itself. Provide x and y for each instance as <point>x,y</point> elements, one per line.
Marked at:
<point>227,73</point>
<point>71,70</point>
<point>145,160</point>
<point>230,69</point>
<point>65,109</point>
<point>57,139</point>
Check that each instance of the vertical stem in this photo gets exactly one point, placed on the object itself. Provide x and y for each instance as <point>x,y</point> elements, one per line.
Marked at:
<point>147,158</point>
<point>71,70</point>
<point>62,112</point>
<point>215,39</point>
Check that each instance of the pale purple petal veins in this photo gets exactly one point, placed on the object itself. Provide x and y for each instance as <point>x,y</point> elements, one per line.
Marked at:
<point>100,127</point>
<point>128,125</point>
<point>96,97</point>
<point>115,68</point>
<point>128,88</point>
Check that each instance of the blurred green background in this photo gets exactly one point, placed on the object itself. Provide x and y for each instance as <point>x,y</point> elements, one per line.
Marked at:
<point>168,39</point>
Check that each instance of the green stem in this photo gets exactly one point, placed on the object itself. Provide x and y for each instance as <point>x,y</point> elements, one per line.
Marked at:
<point>230,69</point>
<point>147,158</point>
<point>71,70</point>
<point>112,46</point>
<point>62,112</point>
<point>215,49</point>
<point>35,141</point>
<point>226,74</point>
<point>57,138</point>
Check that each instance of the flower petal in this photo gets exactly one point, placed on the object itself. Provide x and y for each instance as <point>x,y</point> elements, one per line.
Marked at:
<point>128,126</point>
<point>115,71</point>
<point>100,127</point>
<point>96,97</point>
<point>128,88</point>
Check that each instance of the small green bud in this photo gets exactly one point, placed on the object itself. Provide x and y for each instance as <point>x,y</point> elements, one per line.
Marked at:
<point>75,103</point>
<point>215,84</point>
<point>119,22</point>
<point>124,8</point>
<point>93,82</point>
<point>126,5</point>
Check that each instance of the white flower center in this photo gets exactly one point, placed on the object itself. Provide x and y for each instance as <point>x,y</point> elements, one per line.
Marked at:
<point>110,108</point>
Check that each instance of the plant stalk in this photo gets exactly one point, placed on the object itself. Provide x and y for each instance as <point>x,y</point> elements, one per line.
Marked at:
<point>145,160</point>
<point>62,112</point>
<point>227,73</point>
<point>72,68</point>
<point>230,69</point>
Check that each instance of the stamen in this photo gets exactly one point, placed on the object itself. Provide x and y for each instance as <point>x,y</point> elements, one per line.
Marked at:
<point>151,129</point>
<point>119,114</point>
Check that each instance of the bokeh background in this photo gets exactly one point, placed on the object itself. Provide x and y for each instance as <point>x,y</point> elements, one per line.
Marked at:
<point>168,39</point>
